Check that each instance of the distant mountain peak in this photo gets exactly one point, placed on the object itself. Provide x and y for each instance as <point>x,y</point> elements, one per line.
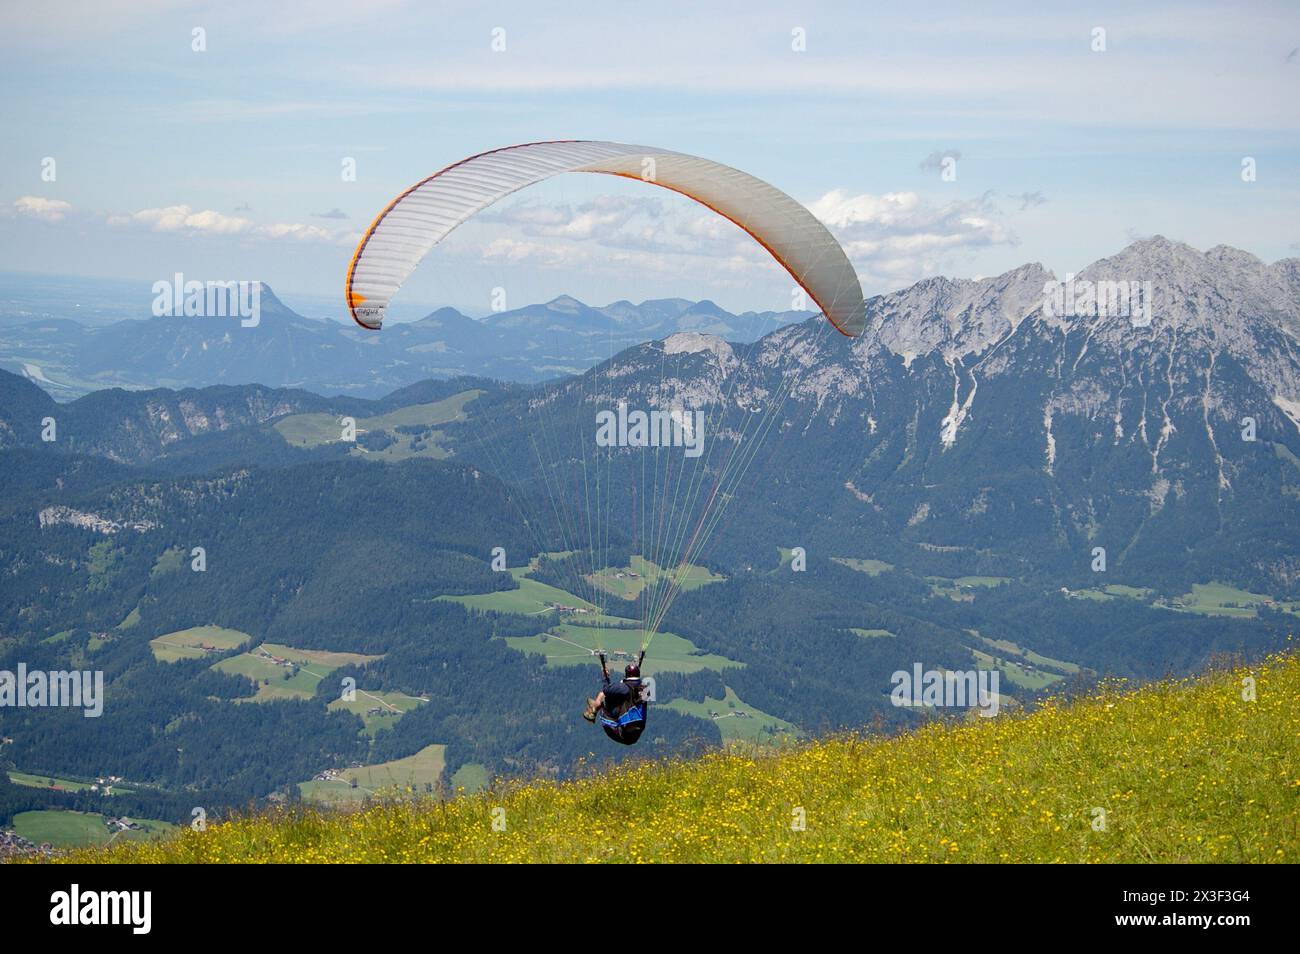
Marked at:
<point>267,297</point>
<point>1160,253</point>
<point>1215,292</point>
<point>1157,242</point>
<point>439,315</point>
<point>707,305</point>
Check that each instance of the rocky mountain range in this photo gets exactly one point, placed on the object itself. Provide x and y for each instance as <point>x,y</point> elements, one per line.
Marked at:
<point>977,424</point>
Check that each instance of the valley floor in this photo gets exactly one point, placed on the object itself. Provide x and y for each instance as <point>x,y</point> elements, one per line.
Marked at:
<point>1183,771</point>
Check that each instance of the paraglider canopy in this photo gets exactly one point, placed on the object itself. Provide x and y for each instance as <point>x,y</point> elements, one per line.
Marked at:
<point>426,213</point>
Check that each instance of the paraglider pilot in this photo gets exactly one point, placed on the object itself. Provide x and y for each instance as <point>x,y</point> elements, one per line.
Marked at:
<point>620,706</point>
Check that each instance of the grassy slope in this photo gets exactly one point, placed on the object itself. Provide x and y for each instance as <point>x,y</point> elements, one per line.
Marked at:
<point>571,644</point>
<point>411,773</point>
<point>312,665</point>
<point>311,430</point>
<point>531,598</point>
<point>1186,771</point>
<point>187,643</point>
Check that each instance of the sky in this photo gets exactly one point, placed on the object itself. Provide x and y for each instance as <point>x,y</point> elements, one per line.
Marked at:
<point>142,139</point>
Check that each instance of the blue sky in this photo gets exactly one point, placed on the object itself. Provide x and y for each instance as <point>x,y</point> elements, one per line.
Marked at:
<point>226,163</point>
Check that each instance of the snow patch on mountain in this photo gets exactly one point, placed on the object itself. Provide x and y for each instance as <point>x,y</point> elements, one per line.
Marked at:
<point>1051,438</point>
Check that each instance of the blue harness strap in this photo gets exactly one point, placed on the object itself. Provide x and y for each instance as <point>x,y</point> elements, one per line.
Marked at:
<point>626,728</point>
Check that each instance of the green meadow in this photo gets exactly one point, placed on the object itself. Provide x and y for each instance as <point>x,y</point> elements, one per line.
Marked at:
<point>294,678</point>
<point>67,829</point>
<point>48,781</point>
<point>737,721</point>
<point>196,642</point>
<point>573,644</point>
<point>1006,647</point>
<point>411,775</point>
<point>470,778</point>
<point>1015,673</point>
<point>311,430</point>
<point>391,706</point>
<point>628,582</point>
<point>1205,599</point>
<point>869,567</point>
<point>532,598</point>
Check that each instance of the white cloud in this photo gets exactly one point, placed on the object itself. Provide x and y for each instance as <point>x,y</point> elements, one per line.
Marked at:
<point>299,232</point>
<point>902,237</point>
<point>37,207</point>
<point>636,225</point>
<point>614,264</point>
<point>184,219</point>
<point>602,218</point>
<point>892,239</point>
<point>515,252</point>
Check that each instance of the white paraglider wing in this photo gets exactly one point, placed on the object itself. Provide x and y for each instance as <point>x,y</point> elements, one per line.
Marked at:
<point>426,213</point>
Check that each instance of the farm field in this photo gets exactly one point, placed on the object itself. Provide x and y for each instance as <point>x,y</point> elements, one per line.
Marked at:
<point>1032,679</point>
<point>737,721</point>
<point>1005,647</point>
<point>629,581</point>
<point>959,588</point>
<point>412,774</point>
<point>49,781</point>
<point>391,705</point>
<point>531,599</point>
<point>574,644</point>
<point>282,672</point>
<point>68,829</point>
<point>311,430</point>
<point>196,642</point>
<point>1205,599</point>
<point>1220,599</point>
<point>869,567</point>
